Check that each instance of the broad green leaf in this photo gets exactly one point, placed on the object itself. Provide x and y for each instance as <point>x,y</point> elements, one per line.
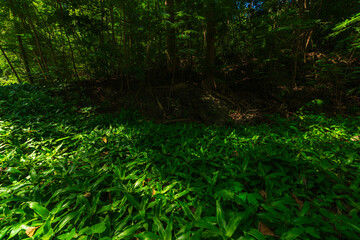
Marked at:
<point>256,234</point>
<point>148,236</point>
<point>181,194</point>
<point>43,212</point>
<point>33,174</point>
<point>97,228</point>
<point>16,229</point>
<point>68,236</point>
<point>234,223</point>
<point>132,201</point>
<point>198,212</point>
<point>220,216</point>
<point>13,170</point>
<point>139,182</point>
<point>48,234</point>
<point>159,227</point>
<point>187,211</point>
<point>127,232</point>
<point>207,225</point>
<point>168,230</point>
<point>66,220</point>
<point>312,232</point>
<point>197,235</point>
<point>3,232</point>
<point>293,234</point>
<point>168,187</point>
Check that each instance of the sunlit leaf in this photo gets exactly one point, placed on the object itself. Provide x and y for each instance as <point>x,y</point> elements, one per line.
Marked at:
<point>43,212</point>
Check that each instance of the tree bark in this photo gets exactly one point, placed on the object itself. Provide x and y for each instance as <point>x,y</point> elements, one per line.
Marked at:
<point>25,59</point>
<point>171,40</point>
<point>209,81</point>
<point>11,66</point>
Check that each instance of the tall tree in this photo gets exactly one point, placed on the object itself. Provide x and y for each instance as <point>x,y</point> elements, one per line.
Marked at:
<point>210,67</point>
<point>171,39</point>
<point>25,59</point>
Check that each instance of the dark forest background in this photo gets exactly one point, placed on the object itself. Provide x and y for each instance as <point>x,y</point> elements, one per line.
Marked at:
<point>217,45</point>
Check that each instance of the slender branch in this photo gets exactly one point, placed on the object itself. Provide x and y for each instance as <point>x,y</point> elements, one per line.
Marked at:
<point>12,67</point>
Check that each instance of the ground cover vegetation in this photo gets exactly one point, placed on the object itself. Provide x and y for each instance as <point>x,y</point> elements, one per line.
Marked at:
<point>68,173</point>
<point>177,119</point>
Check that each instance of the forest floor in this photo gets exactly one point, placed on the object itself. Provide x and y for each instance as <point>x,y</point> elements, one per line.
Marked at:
<point>70,168</point>
<point>248,101</point>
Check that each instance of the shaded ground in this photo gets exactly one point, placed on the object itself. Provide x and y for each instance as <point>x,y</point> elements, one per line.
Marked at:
<point>247,101</point>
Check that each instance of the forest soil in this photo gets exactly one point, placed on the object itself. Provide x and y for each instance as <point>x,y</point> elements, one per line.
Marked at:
<point>247,102</point>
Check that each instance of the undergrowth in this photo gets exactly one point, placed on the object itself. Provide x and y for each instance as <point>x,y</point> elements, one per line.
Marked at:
<point>68,173</point>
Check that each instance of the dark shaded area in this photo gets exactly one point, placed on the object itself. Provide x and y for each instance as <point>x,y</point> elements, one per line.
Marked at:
<point>246,101</point>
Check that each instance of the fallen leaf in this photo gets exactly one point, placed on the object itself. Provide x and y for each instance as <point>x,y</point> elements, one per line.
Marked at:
<point>265,230</point>
<point>104,139</point>
<point>356,138</point>
<point>104,154</point>
<point>298,201</point>
<point>338,211</point>
<point>87,195</point>
<point>263,194</point>
<point>31,231</point>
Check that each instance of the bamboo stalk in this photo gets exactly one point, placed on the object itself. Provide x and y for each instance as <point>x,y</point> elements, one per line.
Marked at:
<point>11,66</point>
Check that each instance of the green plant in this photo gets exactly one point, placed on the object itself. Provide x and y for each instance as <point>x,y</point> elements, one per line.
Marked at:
<point>65,174</point>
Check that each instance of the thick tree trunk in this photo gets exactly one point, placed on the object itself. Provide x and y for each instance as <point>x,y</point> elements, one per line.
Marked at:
<point>25,59</point>
<point>209,81</point>
<point>11,66</point>
<point>171,40</point>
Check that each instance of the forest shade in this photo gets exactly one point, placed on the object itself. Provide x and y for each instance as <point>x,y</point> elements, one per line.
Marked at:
<point>212,42</point>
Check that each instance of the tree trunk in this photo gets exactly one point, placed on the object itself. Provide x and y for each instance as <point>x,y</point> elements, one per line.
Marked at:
<point>209,81</point>
<point>32,31</point>
<point>69,42</point>
<point>112,24</point>
<point>25,59</point>
<point>171,40</point>
<point>43,59</point>
<point>11,66</point>
<point>101,35</point>
<point>40,66</point>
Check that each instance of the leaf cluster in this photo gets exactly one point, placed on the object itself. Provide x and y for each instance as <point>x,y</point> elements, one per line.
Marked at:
<point>67,172</point>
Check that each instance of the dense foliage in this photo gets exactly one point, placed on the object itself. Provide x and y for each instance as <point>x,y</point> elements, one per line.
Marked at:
<point>69,173</point>
<point>291,42</point>
<point>72,166</point>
